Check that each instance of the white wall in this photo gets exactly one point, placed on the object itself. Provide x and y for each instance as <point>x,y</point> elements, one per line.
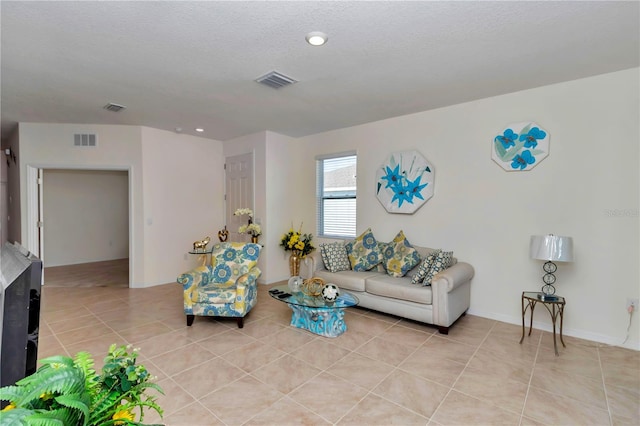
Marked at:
<point>487,215</point>
<point>287,180</point>
<point>183,181</point>
<point>279,179</point>
<point>86,216</point>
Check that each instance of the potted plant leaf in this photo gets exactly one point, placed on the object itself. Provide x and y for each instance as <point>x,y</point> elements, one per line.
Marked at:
<point>67,391</point>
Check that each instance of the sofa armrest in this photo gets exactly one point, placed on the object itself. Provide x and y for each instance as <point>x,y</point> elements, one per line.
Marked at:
<point>454,276</point>
<point>451,294</point>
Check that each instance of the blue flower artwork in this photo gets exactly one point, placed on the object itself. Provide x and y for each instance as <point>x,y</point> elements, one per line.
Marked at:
<point>404,182</point>
<point>520,146</point>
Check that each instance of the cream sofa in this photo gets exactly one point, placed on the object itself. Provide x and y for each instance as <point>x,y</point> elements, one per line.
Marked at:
<point>440,304</point>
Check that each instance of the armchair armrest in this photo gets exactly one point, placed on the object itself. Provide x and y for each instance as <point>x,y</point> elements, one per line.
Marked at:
<point>250,278</point>
<point>195,277</point>
<point>246,289</point>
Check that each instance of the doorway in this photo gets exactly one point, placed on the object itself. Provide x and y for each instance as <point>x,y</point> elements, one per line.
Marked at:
<point>85,218</point>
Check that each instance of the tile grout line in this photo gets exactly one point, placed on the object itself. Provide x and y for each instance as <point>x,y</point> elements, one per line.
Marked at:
<point>604,387</point>
<point>535,361</point>
<point>371,391</point>
<point>462,372</point>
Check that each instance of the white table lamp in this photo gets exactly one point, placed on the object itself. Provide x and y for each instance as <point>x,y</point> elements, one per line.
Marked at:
<point>550,248</point>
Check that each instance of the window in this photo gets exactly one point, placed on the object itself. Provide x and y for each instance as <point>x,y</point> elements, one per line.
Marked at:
<point>336,195</point>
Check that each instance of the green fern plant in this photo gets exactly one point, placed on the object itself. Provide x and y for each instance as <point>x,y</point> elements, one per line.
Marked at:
<point>66,391</point>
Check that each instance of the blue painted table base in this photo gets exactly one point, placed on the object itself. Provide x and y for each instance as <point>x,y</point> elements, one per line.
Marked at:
<point>324,322</point>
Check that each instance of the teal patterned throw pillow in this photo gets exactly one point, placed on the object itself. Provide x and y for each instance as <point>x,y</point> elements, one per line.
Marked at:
<point>399,256</point>
<point>424,268</point>
<point>363,252</point>
<point>334,256</point>
<point>443,260</point>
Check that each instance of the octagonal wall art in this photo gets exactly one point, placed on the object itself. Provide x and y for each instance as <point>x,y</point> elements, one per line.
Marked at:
<point>520,146</point>
<point>404,182</point>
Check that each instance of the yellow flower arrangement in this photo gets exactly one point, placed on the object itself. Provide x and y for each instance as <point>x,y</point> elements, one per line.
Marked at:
<point>297,241</point>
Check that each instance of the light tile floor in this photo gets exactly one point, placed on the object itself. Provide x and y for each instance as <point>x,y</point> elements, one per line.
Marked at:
<point>383,370</point>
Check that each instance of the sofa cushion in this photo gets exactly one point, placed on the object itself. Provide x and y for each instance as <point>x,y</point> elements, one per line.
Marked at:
<point>399,256</point>
<point>424,268</point>
<point>363,252</point>
<point>347,280</point>
<point>398,288</point>
<point>335,258</point>
<point>443,260</point>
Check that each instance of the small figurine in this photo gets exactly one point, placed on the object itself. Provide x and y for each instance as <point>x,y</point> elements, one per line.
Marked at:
<point>201,245</point>
<point>223,235</point>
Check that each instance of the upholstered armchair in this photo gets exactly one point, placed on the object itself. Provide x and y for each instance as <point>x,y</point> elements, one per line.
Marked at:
<point>225,288</point>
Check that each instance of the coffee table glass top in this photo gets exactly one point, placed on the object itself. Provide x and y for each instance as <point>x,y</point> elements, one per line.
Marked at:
<point>345,299</point>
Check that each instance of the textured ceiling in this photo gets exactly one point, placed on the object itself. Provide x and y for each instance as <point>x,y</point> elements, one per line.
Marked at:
<point>193,64</point>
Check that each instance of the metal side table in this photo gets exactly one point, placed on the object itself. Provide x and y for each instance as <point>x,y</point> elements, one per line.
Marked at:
<point>555,306</point>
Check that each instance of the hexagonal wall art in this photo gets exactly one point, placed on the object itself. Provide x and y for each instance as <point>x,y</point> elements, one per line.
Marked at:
<point>520,146</point>
<point>404,182</point>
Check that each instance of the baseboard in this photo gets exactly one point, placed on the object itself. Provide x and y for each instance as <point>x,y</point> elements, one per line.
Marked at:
<point>546,326</point>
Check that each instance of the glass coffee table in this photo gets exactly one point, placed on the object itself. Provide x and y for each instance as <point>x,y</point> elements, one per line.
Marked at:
<point>314,313</point>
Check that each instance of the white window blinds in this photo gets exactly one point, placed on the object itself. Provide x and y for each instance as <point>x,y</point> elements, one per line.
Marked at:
<point>336,195</point>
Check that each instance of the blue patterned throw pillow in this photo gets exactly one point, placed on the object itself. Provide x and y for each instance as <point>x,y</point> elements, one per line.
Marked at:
<point>363,252</point>
<point>400,256</point>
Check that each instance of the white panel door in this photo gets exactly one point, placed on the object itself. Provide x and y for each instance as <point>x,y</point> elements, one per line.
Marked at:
<point>239,192</point>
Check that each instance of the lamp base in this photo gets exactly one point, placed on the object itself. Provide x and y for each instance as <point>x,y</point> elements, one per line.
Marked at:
<point>548,289</point>
<point>544,297</point>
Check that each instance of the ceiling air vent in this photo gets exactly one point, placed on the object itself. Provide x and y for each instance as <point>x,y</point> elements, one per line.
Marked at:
<point>275,80</point>
<point>114,107</point>
<point>84,139</point>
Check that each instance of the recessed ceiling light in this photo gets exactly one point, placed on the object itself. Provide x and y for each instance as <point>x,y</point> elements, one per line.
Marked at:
<point>316,38</point>
<point>199,129</point>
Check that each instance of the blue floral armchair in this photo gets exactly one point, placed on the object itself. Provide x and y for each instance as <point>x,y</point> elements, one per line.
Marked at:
<point>225,288</point>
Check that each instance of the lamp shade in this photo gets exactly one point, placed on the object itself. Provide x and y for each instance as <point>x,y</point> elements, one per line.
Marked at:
<point>551,247</point>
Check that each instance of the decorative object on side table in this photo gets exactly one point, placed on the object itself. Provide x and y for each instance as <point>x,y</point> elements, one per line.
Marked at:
<point>201,245</point>
<point>68,391</point>
<point>252,229</point>
<point>299,245</point>
<point>550,248</point>
<point>223,234</point>
<point>404,182</point>
<point>520,146</point>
